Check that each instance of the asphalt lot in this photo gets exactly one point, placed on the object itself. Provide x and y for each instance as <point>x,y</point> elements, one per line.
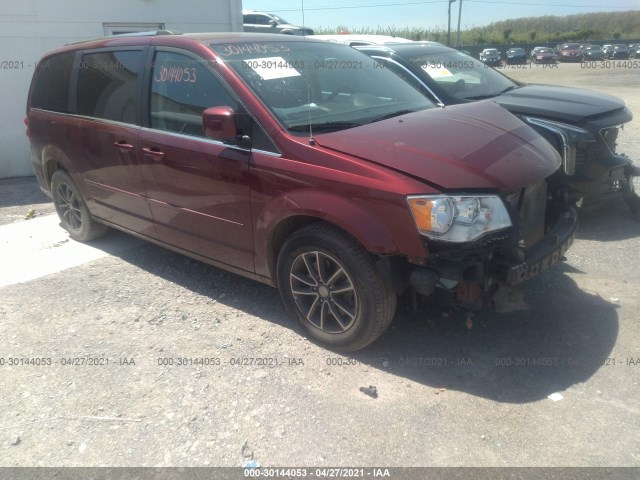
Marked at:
<point>448,395</point>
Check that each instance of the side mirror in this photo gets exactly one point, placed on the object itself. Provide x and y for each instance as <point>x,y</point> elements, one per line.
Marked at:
<point>219,123</point>
<point>273,23</point>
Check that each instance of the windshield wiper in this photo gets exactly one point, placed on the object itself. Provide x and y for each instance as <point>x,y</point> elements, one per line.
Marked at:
<point>391,115</point>
<point>324,127</point>
<point>490,95</point>
<point>508,89</point>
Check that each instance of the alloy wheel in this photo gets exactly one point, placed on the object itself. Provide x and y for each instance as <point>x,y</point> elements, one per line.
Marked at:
<point>324,292</point>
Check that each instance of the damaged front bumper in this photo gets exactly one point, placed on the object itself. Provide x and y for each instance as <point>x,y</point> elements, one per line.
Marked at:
<point>545,253</point>
<point>490,273</point>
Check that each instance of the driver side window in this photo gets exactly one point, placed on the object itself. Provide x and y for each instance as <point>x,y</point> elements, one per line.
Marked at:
<point>181,89</point>
<point>262,20</point>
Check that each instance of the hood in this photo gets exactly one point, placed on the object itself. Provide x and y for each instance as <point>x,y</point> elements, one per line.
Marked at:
<point>563,103</point>
<point>462,147</point>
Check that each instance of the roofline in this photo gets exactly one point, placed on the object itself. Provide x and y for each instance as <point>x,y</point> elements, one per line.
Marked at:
<point>205,38</point>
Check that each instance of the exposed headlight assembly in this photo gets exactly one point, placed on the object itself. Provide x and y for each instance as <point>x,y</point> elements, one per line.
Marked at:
<point>568,136</point>
<point>453,218</point>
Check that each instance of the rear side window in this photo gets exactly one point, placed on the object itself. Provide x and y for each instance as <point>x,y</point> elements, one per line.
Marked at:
<point>253,19</point>
<point>108,85</point>
<point>181,89</point>
<point>50,89</point>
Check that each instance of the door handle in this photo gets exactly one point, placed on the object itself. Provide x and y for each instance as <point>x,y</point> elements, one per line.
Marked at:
<point>122,145</point>
<point>153,153</point>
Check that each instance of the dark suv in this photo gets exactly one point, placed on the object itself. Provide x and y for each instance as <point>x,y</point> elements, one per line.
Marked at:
<point>582,125</point>
<point>261,22</point>
<point>619,51</point>
<point>490,56</point>
<point>301,164</point>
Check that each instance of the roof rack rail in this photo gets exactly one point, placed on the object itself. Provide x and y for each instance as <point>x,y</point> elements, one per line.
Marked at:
<point>150,33</point>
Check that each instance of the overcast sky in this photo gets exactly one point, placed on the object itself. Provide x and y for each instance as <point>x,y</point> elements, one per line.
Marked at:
<point>426,14</point>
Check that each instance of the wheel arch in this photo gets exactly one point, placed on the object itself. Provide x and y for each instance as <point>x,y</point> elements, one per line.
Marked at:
<point>53,158</point>
<point>304,208</point>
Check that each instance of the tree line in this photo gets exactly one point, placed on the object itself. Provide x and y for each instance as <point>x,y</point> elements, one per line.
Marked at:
<point>585,27</point>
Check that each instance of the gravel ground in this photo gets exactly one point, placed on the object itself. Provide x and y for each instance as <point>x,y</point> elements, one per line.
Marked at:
<point>453,389</point>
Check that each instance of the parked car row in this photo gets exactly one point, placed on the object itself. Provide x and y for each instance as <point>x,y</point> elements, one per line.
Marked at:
<point>342,176</point>
<point>577,52</point>
<point>568,52</point>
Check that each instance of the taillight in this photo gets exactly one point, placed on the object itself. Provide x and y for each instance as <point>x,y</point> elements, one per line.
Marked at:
<point>26,122</point>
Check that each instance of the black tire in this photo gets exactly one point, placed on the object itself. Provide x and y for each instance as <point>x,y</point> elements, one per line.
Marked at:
<point>342,301</point>
<point>73,212</point>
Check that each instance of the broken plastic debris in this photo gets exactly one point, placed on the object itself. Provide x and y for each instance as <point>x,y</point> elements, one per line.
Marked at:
<point>371,390</point>
<point>251,464</point>
<point>245,451</point>
<point>556,397</point>
<point>614,299</point>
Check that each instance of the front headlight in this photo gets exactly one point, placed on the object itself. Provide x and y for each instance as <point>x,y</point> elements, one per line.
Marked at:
<point>453,218</point>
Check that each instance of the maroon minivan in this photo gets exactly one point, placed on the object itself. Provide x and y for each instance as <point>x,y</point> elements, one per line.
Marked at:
<point>302,164</point>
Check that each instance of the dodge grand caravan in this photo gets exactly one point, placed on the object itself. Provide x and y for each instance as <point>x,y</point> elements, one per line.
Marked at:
<point>301,164</point>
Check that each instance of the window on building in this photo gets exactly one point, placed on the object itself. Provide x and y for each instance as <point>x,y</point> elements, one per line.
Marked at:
<point>122,28</point>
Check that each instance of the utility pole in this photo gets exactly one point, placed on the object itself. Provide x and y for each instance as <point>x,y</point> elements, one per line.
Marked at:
<point>459,17</point>
<point>449,25</point>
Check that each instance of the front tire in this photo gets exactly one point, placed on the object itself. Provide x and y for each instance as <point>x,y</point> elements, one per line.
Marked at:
<point>331,287</point>
<point>72,211</point>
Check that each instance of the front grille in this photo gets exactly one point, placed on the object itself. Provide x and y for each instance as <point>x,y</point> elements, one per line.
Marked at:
<point>582,160</point>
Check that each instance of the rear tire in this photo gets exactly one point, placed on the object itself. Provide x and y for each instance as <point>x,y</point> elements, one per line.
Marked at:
<point>331,287</point>
<point>72,211</point>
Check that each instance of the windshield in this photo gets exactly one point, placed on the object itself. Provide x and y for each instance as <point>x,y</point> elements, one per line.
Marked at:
<point>280,20</point>
<point>331,86</point>
<point>462,76</point>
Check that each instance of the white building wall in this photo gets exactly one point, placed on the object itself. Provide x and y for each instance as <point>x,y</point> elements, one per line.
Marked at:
<point>29,28</point>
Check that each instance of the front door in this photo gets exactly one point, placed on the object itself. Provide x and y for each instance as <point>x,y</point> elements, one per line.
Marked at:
<point>198,188</point>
